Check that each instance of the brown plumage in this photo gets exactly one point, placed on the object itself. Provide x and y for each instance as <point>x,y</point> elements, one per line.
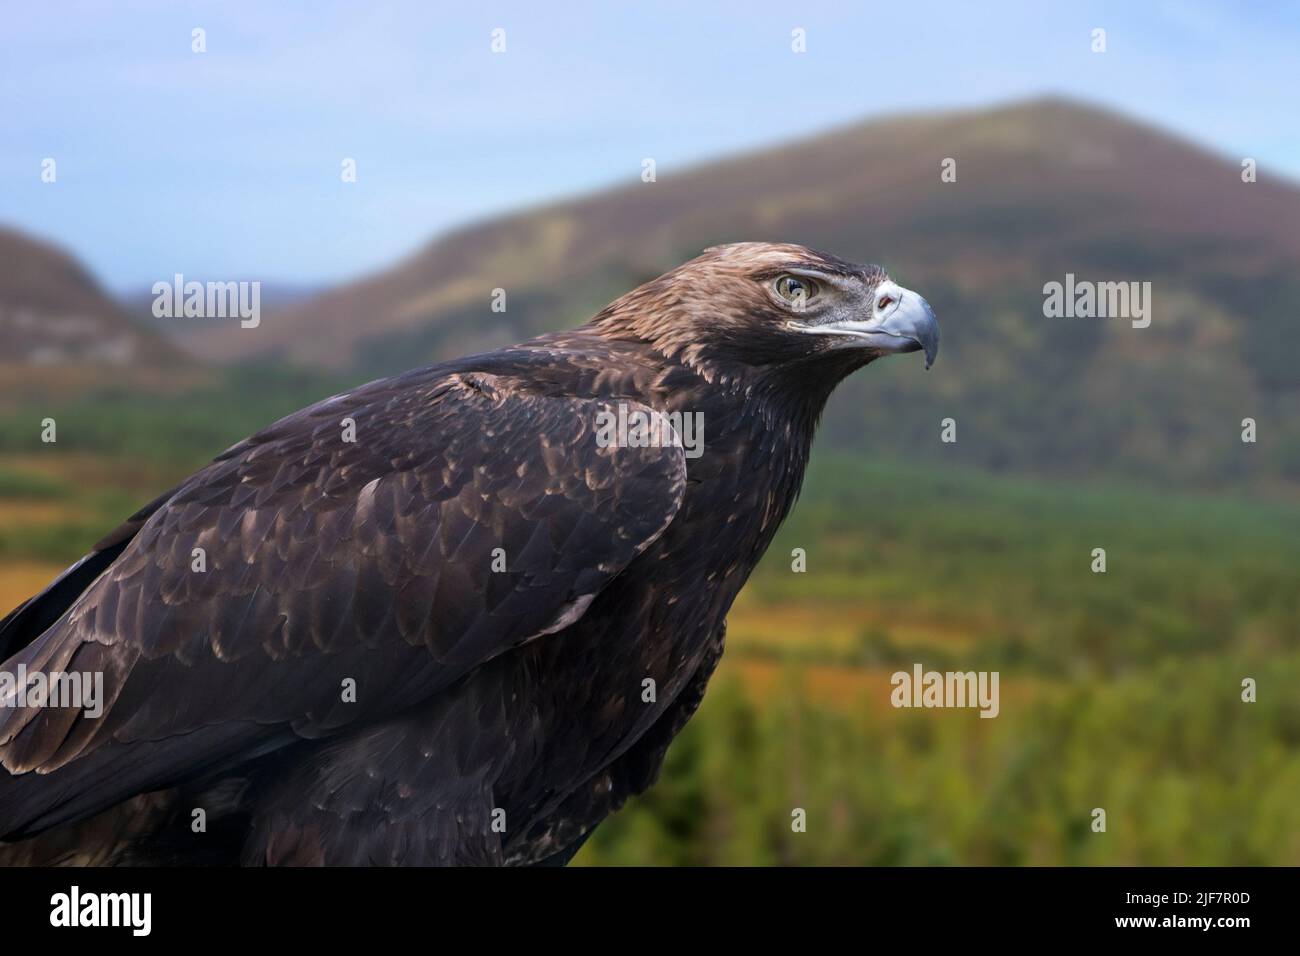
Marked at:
<point>499,713</point>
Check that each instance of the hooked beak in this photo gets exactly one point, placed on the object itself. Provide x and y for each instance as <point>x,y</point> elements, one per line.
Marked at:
<point>901,321</point>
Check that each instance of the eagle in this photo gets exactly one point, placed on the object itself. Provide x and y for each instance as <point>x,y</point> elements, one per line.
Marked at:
<point>447,617</point>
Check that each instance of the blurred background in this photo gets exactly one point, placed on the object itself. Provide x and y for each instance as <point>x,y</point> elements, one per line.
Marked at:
<point>514,160</point>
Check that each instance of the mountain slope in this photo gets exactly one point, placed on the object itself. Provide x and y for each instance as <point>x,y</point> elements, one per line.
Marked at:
<point>1043,189</point>
<point>1069,180</point>
<point>53,313</point>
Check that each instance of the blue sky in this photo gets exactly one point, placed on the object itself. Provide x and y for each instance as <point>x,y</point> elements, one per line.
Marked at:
<point>226,164</point>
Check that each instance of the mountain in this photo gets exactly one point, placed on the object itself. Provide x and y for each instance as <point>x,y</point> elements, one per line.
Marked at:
<point>1044,189</point>
<point>53,314</point>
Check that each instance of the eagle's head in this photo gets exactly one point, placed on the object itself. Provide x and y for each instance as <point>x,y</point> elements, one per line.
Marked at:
<point>752,307</point>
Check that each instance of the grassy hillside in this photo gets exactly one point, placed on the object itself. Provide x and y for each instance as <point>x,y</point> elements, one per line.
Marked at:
<point>1119,690</point>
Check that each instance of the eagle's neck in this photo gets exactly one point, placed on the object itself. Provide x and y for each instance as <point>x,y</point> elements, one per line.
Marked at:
<point>758,430</point>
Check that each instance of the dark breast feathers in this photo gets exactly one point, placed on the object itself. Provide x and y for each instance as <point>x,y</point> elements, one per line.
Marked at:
<point>410,624</point>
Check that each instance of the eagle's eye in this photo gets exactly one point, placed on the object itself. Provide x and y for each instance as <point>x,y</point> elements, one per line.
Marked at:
<point>797,290</point>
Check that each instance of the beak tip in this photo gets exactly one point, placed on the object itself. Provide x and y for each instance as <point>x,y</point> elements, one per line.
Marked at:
<point>930,346</point>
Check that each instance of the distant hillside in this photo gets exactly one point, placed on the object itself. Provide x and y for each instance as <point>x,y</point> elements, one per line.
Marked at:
<point>1043,188</point>
<point>273,297</point>
<point>53,313</point>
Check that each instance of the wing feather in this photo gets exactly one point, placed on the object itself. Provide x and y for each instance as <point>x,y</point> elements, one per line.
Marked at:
<point>328,560</point>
